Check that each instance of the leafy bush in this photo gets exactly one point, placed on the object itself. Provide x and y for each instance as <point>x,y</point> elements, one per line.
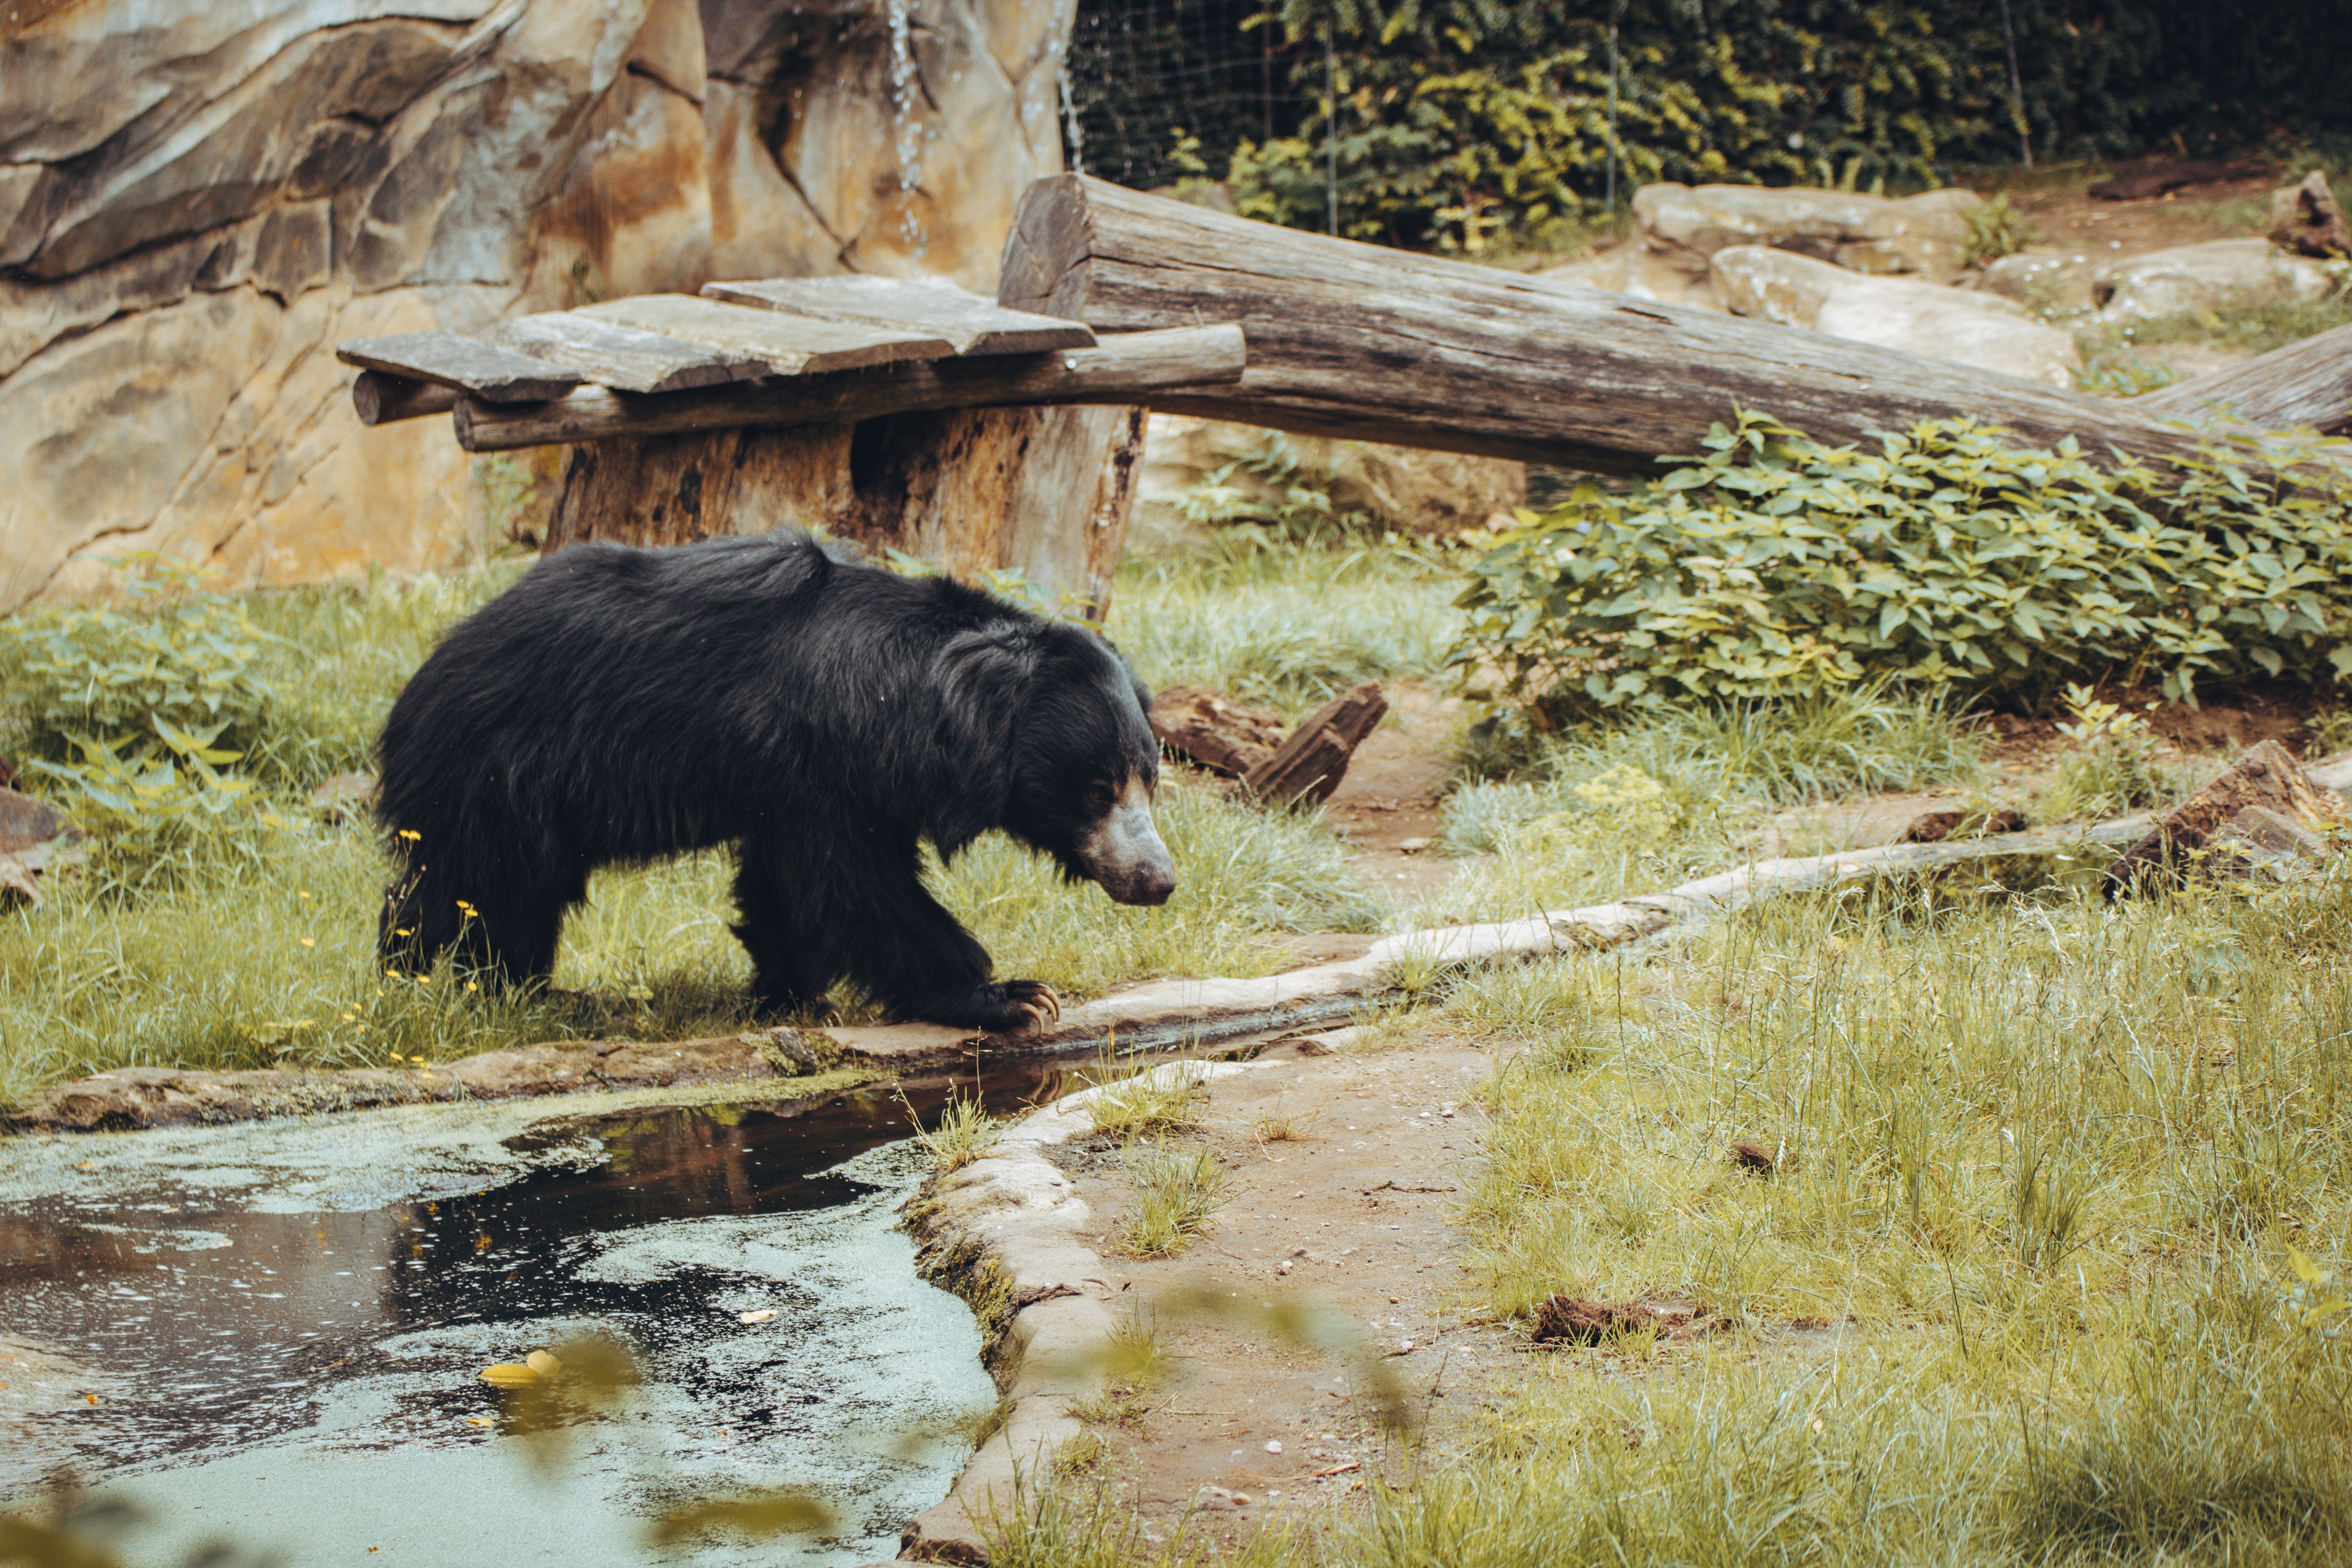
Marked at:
<point>157,811</point>
<point>190,659</point>
<point>1777,567</point>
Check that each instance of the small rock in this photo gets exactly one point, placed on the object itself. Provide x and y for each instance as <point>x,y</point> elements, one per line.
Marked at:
<point>1411,846</point>
<point>343,798</point>
<point>1274,1444</point>
<point>25,822</point>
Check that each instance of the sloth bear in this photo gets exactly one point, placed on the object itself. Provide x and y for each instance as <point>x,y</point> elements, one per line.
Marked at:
<point>823,715</point>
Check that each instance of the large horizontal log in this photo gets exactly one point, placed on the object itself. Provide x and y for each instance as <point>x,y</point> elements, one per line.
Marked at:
<point>1354,339</point>
<point>2304,384</point>
<point>1138,367</point>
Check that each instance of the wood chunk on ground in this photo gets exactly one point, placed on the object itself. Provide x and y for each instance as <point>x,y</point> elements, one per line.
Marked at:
<point>1935,826</point>
<point>1309,765</point>
<point>1761,1157</point>
<point>2264,805</point>
<point>1213,729</point>
<point>1573,1320</point>
<point>2306,218</point>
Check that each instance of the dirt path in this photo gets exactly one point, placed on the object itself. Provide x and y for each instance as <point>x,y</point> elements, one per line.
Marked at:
<point>1355,1214</point>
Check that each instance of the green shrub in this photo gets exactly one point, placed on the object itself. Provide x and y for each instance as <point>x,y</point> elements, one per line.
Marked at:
<point>1949,557</point>
<point>190,659</point>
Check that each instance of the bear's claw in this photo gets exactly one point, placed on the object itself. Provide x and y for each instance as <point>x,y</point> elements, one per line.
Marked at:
<point>1036,998</point>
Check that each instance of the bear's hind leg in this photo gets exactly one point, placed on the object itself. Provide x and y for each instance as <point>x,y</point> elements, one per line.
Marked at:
<point>790,972</point>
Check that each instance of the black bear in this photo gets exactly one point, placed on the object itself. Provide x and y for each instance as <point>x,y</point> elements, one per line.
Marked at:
<point>823,715</point>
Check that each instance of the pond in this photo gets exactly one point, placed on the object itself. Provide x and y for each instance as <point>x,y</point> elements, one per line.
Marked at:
<point>271,1334</point>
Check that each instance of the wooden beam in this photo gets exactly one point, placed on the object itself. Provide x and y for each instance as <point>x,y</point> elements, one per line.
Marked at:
<point>788,345</point>
<point>383,399</point>
<point>1354,339</point>
<point>624,357</point>
<point>446,359</point>
<point>974,323</point>
<point>1138,367</point>
<point>2304,384</point>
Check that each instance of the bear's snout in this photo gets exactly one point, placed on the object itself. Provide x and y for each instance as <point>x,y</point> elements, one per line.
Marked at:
<point>1124,854</point>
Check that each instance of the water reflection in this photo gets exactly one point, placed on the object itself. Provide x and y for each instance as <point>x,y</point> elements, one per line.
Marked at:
<point>186,1330</point>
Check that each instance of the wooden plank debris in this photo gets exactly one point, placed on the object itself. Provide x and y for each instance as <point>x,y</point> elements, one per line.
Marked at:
<point>1309,765</point>
<point>445,359</point>
<point>974,323</point>
<point>383,399</point>
<point>1213,729</point>
<point>1138,367</point>
<point>623,358</point>
<point>1354,339</point>
<point>791,345</point>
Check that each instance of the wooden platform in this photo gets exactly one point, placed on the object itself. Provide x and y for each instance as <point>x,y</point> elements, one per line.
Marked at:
<point>911,416</point>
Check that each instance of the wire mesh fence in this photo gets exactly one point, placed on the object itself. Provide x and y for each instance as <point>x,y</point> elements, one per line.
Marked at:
<point>1158,84</point>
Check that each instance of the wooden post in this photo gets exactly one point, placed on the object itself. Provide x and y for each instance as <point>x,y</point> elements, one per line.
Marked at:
<point>1045,490</point>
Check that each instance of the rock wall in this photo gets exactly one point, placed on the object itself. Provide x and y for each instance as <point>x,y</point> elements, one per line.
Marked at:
<point>198,200</point>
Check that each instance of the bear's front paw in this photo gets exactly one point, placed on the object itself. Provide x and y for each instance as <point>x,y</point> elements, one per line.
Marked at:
<point>1018,1005</point>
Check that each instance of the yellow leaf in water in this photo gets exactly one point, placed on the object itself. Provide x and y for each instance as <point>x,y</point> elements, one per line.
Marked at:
<point>509,1375</point>
<point>760,1317</point>
<point>479,1420</point>
<point>543,1364</point>
<point>91,1398</point>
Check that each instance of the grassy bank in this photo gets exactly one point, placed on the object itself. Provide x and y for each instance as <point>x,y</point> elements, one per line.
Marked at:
<point>244,937</point>
<point>2036,1279</point>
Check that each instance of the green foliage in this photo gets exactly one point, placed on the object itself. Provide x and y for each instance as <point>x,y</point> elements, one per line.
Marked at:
<point>188,658</point>
<point>1995,229</point>
<point>160,811</point>
<point>1476,124</point>
<point>1777,567</point>
<point>1280,499</point>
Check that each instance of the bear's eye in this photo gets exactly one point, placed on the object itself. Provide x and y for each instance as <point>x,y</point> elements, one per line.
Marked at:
<point>1100,798</point>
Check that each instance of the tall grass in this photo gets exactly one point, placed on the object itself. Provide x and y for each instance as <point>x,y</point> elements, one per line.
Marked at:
<point>253,942</point>
<point>1284,625</point>
<point>1632,808</point>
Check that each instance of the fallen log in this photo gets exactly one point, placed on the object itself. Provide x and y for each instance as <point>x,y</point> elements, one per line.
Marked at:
<point>2304,384</point>
<point>1211,730</point>
<point>1356,340</point>
<point>1138,367</point>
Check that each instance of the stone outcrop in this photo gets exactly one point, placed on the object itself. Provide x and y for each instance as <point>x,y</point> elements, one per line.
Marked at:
<point>1964,326</point>
<point>1398,489</point>
<point>197,202</point>
<point>1685,225</point>
<point>2220,275</point>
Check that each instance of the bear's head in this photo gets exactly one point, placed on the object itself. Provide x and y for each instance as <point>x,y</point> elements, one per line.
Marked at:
<point>1051,718</point>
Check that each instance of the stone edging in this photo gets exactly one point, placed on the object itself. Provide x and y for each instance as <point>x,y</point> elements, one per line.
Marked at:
<point>1003,1233</point>
<point>1166,1013</point>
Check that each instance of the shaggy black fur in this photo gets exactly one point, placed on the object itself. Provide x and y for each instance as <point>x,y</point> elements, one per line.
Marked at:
<point>622,705</point>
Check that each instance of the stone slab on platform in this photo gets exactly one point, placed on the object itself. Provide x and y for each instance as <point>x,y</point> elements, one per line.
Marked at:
<point>971,323</point>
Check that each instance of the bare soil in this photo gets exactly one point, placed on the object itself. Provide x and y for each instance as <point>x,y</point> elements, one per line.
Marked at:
<point>1354,1214</point>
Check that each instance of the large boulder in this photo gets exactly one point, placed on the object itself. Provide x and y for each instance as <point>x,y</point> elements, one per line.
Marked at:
<point>2220,275</point>
<point>197,202</point>
<point>1964,326</point>
<point>1400,489</point>
<point>1685,225</point>
<point>1635,270</point>
<point>2052,285</point>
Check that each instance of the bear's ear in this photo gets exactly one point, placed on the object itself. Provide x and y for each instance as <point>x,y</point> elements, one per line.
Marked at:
<point>984,679</point>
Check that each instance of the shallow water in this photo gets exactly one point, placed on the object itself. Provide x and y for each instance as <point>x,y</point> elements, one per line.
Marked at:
<point>272,1333</point>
